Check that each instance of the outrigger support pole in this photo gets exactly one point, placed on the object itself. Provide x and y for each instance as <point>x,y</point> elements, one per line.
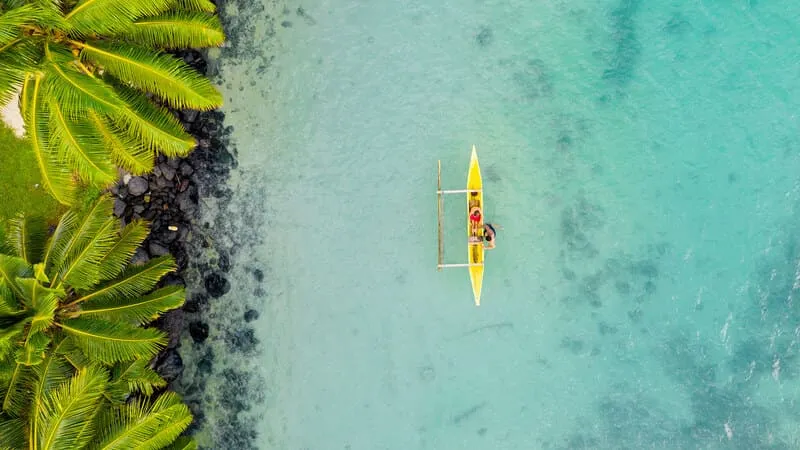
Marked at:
<point>454,191</point>
<point>445,266</point>
<point>441,210</point>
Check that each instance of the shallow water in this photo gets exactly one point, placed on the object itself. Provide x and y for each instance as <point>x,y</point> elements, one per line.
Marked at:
<point>642,160</point>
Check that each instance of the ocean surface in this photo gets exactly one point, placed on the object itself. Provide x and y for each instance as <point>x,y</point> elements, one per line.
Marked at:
<point>643,159</point>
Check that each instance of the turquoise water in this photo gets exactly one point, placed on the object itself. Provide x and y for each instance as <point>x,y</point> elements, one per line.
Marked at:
<point>642,158</point>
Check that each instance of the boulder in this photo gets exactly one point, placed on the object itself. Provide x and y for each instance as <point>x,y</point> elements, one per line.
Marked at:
<point>170,365</point>
<point>157,249</point>
<point>138,186</point>
<point>140,257</point>
<point>119,207</point>
<point>167,171</point>
<point>186,169</point>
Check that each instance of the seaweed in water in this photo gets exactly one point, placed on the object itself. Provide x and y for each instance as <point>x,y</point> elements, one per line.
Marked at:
<point>627,49</point>
<point>573,345</point>
<point>533,80</point>
<point>575,222</point>
<point>484,37</point>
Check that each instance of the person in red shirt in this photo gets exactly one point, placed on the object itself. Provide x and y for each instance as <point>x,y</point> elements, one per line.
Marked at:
<point>475,218</point>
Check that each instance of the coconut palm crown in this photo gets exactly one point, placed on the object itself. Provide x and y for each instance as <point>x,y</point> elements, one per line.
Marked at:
<point>72,343</point>
<point>78,284</point>
<point>95,81</point>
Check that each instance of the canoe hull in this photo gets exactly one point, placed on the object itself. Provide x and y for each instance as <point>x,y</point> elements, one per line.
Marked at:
<point>475,249</point>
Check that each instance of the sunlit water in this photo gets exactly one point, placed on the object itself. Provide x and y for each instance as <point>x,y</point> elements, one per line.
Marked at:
<point>642,159</point>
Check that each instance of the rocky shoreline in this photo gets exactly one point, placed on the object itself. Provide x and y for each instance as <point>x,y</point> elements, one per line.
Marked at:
<point>169,198</point>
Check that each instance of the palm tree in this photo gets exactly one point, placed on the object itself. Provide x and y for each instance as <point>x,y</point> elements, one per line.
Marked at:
<point>70,407</point>
<point>95,80</point>
<point>72,304</point>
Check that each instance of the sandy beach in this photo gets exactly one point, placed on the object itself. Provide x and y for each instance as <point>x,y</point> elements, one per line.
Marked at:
<point>12,117</point>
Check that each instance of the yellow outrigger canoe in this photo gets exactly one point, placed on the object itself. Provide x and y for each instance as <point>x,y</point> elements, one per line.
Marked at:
<point>475,250</point>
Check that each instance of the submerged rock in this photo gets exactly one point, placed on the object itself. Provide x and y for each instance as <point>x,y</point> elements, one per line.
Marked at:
<point>199,331</point>
<point>217,285</point>
<point>250,315</point>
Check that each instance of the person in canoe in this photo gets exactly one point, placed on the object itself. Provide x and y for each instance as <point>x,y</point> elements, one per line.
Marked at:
<point>489,235</point>
<point>475,218</point>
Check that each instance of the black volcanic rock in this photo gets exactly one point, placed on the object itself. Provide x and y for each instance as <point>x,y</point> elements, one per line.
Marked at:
<point>199,331</point>
<point>138,186</point>
<point>170,365</point>
<point>216,285</point>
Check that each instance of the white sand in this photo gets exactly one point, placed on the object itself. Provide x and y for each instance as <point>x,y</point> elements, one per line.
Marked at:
<point>12,117</point>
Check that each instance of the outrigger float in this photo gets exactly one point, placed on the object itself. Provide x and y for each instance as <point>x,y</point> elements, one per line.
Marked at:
<point>475,250</point>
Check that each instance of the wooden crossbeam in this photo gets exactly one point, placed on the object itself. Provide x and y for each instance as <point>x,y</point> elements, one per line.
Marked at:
<point>457,191</point>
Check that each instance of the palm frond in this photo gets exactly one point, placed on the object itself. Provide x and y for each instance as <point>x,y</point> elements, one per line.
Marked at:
<point>153,125</point>
<point>11,269</point>
<point>4,247</point>
<point>131,377</point>
<point>8,302</point>
<point>16,59</point>
<point>196,5</point>
<point>140,311</point>
<point>56,176</point>
<point>179,29</point>
<point>134,281</point>
<point>14,391</point>
<point>10,78</point>
<point>12,433</point>
<point>146,426</point>
<point>117,257</point>
<point>26,236</point>
<point>11,22</point>
<point>52,5</point>
<point>67,409</point>
<point>72,354</point>
<point>77,142</point>
<point>9,335</point>
<point>33,351</point>
<point>48,375</point>
<point>88,431</point>
<point>90,17</point>
<point>74,239</point>
<point>183,443</point>
<point>56,246</point>
<point>126,152</point>
<point>42,300</point>
<point>81,270</point>
<point>22,54</point>
<point>163,75</point>
<point>76,90</point>
<point>110,342</point>
<point>49,16</point>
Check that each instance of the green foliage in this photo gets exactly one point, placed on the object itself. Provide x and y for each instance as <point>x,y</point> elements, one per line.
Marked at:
<point>79,282</point>
<point>21,182</point>
<point>87,408</point>
<point>73,351</point>
<point>94,76</point>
